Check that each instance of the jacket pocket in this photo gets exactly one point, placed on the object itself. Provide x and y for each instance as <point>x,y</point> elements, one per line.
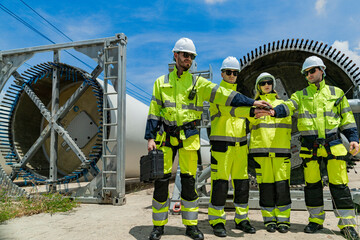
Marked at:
<point>338,150</point>
<point>192,143</point>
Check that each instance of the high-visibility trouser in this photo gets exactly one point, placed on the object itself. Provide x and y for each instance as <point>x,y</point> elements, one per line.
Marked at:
<point>342,202</point>
<point>188,160</point>
<point>273,177</point>
<point>226,162</point>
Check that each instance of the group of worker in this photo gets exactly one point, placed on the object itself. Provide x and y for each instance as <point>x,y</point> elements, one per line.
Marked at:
<point>323,112</point>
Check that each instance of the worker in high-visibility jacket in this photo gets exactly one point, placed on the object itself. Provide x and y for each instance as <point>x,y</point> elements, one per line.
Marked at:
<point>270,147</point>
<point>175,111</point>
<point>324,112</point>
<point>228,158</point>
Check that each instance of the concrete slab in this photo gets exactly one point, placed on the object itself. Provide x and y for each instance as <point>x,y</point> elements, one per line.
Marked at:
<point>133,221</point>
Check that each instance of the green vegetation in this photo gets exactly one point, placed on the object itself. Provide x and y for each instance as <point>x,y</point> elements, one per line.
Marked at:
<point>47,203</point>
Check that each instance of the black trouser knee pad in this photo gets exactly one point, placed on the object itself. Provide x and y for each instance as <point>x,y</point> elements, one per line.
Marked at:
<point>267,194</point>
<point>314,194</point>
<point>282,189</point>
<point>219,192</point>
<point>241,190</point>
<point>188,187</point>
<point>342,196</point>
<point>161,188</point>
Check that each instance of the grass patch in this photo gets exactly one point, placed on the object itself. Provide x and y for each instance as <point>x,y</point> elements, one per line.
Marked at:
<point>48,203</point>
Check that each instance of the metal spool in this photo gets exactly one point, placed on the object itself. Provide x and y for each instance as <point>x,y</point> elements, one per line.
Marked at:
<point>284,59</point>
<point>22,123</point>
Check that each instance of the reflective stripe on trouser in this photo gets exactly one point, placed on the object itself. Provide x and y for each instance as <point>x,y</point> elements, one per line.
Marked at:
<point>317,214</point>
<point>216,214</point>
<point>241,212</point>
<point>188,161</point>
<point>225,162</point>
<point>346,217</point>
<point>268,214</point>
<point>160,212</point>
<point>338,180</point>
<point>189,211</point>
<point>273,179</point>
<point>282,214</point>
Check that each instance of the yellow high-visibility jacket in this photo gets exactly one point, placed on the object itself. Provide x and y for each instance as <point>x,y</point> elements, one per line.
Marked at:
<point>270,137</point>
<point>225,126</point>
<point>319,118</point>
<point>171,106</point>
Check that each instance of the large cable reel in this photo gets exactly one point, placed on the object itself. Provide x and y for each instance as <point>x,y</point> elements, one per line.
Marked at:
<point>57,121</point>
<point>284,59</point>
<point>25,140</point>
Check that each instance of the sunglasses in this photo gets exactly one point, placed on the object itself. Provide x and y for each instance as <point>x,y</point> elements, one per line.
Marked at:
<point>186,55</point>
<point>311,71</point>
<point>271,82</point>
<point>229,72</point>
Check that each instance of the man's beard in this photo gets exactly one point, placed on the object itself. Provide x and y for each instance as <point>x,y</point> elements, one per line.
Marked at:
<point>185,66</point>
<point>317,80</point>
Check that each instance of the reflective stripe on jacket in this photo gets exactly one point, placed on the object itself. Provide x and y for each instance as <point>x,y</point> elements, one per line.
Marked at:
<point>170,103</point>
<point>318,117</point>
<point>270,137</point>
<point>224,125</point>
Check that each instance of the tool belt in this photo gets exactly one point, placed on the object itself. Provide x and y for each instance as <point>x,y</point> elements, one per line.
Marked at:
<point>174,131</point>
<point>316,145</point>
<point>233,144</point>
<point>222,146</point>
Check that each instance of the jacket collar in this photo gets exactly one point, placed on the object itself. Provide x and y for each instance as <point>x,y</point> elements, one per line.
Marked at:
<point>269,96</point>
<point>314,87</point>
<point>227,85</point>
<point>183,74</point>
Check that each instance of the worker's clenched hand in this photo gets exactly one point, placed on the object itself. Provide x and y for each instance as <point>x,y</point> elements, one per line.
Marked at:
<point>262,104</point>
<point>151,144</point>
<point>354,148</point>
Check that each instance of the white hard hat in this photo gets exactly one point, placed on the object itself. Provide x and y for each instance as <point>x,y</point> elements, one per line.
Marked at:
<point>184,45</point>
<point>313,61</point>
<point>264,76</point>
<point>230,63</point>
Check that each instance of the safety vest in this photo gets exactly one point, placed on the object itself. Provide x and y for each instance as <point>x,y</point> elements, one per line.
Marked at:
<point>319,118</point>
<point>225,126</point>
<point>171,106</point>
<point>270,137</point>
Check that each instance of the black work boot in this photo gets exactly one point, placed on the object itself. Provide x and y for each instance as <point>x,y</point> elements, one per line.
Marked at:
<point>283,228</point>
<point>194,232</point>
<point>219,230</point>
<point>245,226</point>
<point>271,227</point>
<point>349,233</point>
<point>312,227</point>
<point>156,233</point>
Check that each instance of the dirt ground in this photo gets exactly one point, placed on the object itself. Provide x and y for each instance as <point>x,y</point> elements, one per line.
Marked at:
<point>133,221</point>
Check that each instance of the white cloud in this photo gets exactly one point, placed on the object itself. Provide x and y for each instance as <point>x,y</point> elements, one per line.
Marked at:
<point>88,27</point>
<point>343,46</point>
<point>320,6</point>
<point>214,1</point>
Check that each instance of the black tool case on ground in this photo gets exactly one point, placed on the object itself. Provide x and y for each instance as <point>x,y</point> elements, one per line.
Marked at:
<point>152,166</point>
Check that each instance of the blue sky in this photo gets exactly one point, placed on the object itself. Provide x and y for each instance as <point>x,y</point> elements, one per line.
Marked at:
<point>219,28</point>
